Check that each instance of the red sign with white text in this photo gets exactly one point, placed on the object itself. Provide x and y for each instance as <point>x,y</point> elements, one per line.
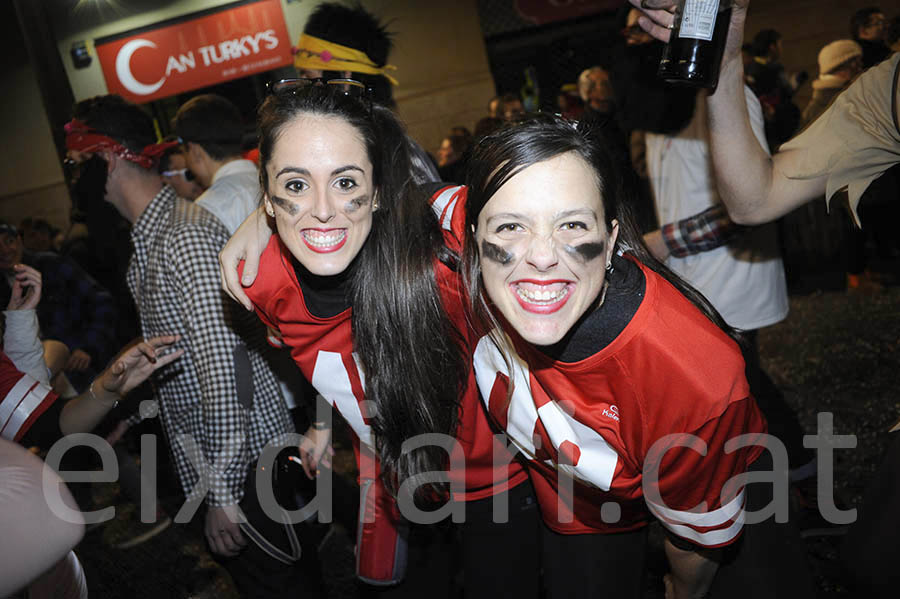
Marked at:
<point>200,52</point>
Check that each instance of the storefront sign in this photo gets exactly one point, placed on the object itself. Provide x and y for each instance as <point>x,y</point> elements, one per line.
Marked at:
<point>196,53</point>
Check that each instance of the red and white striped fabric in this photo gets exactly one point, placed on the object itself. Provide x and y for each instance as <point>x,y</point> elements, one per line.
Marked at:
<point>22,400</point>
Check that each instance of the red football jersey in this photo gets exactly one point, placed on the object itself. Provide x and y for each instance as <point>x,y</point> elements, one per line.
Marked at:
<point>22,400</point>
<point>639,429</point>
<point>323,349</point>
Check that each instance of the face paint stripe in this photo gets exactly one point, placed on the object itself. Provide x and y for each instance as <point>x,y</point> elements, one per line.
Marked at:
<point>495,253</point>
<point>587,251</point>
<point>356,203</point>
<point>286,205</point>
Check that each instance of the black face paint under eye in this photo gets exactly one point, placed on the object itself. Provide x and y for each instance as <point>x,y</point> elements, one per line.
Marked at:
<point>356,203</point>
<point>587,251</point>
<point>495,253</point>
<point>286,205</point>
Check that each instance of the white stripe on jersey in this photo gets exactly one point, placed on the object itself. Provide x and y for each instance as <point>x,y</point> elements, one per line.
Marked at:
<point>709,538</point>
<point>447,222</point>
<point>443,208</point>
<point>713,518</point>
<point>331,380</point>
<point>28,405</point>
<point>14,398</point>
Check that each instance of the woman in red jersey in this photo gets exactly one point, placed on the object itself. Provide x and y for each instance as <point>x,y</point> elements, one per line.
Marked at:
<point>380,333</point>
<point>621,385</point>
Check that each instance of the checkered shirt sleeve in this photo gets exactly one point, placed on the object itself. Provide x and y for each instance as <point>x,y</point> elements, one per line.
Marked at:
<point>702,232</point>
<point>220,403</point>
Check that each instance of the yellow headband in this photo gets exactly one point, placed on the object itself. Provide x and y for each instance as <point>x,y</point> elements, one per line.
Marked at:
<point>321,55</point>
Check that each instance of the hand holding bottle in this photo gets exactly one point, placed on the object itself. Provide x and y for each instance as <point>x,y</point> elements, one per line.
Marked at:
<point>695,66</point>
<point>659,19</point>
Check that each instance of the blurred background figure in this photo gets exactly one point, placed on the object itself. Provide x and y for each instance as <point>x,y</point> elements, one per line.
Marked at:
<point>211,128</point>
<point>494,107</point>
<point>596,91</point>
<point>511,107</point>
<point>75,309</point>
<point>892,37</point>
<point>774,87</point>
<point>451,158</point>
<point>485,126</point>
<point>569,102</point>
<point>839,63</point>
<point>173,171</point>
<point>38,235</point>
<point>869,27</point>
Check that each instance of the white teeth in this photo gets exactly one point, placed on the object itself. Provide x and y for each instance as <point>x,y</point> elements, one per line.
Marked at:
<point>543,296</point>
<point>325,240</point>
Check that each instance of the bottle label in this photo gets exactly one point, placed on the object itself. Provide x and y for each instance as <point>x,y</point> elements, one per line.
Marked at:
<point>698,19</point>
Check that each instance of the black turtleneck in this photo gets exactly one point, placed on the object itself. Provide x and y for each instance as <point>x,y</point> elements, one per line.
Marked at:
<point>600,326</point>
<point>326,296</point>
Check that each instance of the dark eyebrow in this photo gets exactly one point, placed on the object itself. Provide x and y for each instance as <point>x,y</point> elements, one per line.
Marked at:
<point>302,171</point>
<point>349,167</point>
<point>577,212</point>
<point>509,215</point>
<point>292,169</point>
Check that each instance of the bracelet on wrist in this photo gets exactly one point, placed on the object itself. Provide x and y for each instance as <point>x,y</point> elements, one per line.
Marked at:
<point>105,403</point>
<point>319,426</point>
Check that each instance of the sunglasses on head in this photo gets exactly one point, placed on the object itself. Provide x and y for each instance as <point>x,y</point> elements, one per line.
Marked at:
<point>348,87</point>
<point>185,172</point>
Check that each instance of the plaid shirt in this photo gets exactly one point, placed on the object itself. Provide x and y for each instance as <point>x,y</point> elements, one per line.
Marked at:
<point>700,233</point>
<point>221,394</point>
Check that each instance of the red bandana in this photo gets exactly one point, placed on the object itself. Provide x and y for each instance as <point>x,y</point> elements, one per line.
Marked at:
<point>82,138</point>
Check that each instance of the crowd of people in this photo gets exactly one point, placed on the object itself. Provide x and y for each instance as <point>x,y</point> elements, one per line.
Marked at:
<point>543,338</point>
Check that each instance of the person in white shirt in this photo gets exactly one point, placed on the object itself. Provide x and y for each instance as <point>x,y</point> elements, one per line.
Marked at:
<point>210,128</point>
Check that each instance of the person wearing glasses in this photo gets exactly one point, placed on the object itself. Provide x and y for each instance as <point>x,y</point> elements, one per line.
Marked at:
<point>174,172</point>
<point>380,333</point>
<point>210,128</point>
<point>868,26</point>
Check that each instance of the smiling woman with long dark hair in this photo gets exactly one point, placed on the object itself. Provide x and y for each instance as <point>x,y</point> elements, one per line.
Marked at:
<point>619,382</point>
<point>360,286</point>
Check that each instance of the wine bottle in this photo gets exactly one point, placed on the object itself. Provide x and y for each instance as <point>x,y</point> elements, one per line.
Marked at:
<point>694,52</point>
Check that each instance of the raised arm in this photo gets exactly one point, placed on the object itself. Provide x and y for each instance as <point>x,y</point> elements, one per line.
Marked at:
<point>21,340</point>
<point>752,185</point>
<point>128,370</point>
<point>247,244</point>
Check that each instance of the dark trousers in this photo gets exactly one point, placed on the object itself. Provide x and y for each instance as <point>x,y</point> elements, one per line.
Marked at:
<point>498,559</point>
<point>594,566</point>
<point>869,552</point>
<point>502,559</point>
<point>768,559</point>
<point>782,420</point>
<point>258,575</point>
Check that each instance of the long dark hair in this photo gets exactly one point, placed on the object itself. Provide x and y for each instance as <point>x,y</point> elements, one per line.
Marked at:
<point>410,352</point>
<point>498,157</point>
